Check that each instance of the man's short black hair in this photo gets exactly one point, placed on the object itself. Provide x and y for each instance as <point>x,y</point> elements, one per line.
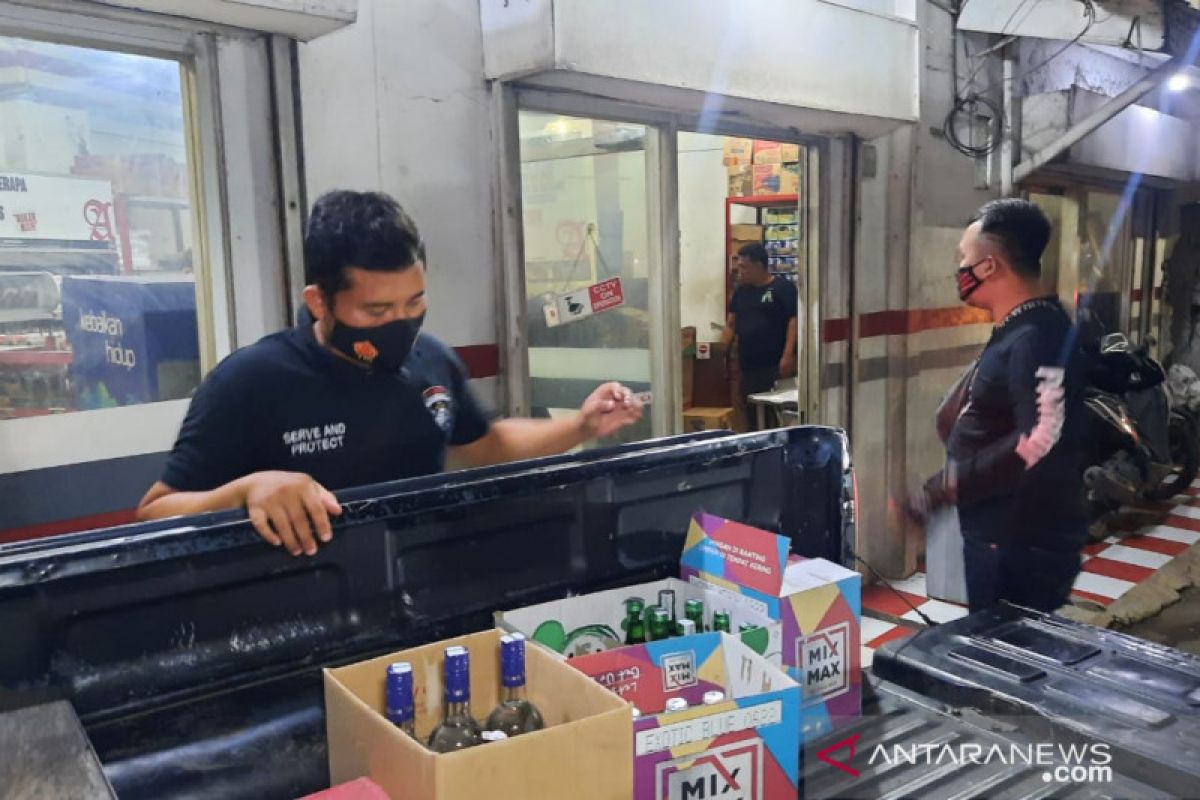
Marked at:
<point>1020,229</point>
<point>754,252</point>
<point>357,229</point>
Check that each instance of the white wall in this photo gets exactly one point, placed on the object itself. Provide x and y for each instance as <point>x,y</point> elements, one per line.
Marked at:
<point>702,188</point>
<point>805,53</point>
<point>397,103</point>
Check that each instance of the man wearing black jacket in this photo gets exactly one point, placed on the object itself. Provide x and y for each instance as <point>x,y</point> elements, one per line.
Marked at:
<point>1010,426</point>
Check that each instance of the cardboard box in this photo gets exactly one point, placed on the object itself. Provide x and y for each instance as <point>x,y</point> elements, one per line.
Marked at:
<point>775,179</point>
<point>741,180</point>
<point>781,215</point>
<point>593,623</point>
<point>818,602</point>
<point>713,382</point>
<point>743,747</point>
<point>778,233</point>
<point>746,233</point>
<point>775,153</point>
<point>687,378</point>
<point>688,381</point>
<point>737,152</point>
<point>582,753</point>
<point>706,418</point>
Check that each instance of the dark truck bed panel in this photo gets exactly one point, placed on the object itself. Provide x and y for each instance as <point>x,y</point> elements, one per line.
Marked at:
<point>893,715</point>
<point>191,651</point>
<point>1064,679</point>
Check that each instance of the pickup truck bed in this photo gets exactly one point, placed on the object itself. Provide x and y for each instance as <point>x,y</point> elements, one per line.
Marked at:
<point>192,652</point>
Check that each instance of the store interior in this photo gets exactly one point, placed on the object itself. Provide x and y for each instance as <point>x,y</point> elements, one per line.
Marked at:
<point>586,213</point>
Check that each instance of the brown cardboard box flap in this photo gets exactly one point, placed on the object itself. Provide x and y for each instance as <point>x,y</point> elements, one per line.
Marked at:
<point>584,752</point>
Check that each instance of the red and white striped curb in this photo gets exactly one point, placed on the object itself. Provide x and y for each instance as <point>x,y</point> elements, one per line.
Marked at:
<point>1110,569</point>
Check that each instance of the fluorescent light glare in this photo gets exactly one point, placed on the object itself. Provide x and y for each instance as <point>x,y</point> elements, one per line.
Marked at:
<point>1179,82</point>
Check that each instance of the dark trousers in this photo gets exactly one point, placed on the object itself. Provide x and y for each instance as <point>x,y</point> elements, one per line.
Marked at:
<point>1023,575</point>
<point>755,380</point>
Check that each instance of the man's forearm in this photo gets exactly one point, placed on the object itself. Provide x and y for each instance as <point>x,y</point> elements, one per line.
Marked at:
<point>178,504</point>
<point>518,439</point>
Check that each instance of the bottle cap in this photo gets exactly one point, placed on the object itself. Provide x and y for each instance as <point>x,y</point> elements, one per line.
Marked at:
<point>512,661</point>
<point>636,712</point>
<point>399,691</point>
<point>458,675</point>
<point>676,704</point>
<point>713,697</point>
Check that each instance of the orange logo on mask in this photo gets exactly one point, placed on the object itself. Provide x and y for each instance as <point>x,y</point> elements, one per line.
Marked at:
<point>366,351</point>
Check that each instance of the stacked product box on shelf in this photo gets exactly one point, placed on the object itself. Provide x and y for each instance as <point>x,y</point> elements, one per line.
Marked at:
<point>817,602</point>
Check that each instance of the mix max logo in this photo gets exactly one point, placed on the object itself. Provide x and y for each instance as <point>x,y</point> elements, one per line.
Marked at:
<point>732,772</point>
<point>679,670</point>
<point>824,659</point>
<point>849,743</point>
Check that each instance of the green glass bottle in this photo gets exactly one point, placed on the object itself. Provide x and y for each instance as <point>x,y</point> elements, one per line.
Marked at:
<point>685,627</point>
<point>694,610</point>
<point>635,624</point>
<point>660,624</point>
<point>722,622</point>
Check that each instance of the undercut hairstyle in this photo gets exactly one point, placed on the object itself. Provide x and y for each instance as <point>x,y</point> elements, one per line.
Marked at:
<point>754,252</point>
<point>368,230</point>
<point>1020,229</point>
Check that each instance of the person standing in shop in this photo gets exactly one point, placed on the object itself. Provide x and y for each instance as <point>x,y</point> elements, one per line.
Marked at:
<point>1012,424</point>
<point>762,317</point>
<point>354,394</point>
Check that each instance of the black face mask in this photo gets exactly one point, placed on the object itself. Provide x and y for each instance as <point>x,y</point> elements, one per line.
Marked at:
<point>384,347</point>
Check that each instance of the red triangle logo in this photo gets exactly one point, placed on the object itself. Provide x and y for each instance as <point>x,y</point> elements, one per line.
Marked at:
<point>849,742</point>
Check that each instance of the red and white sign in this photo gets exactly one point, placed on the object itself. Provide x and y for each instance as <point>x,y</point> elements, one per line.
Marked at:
<point>703,350</point>
<point>607,294</point>
<point>46,207</point>
<point>603,296</point>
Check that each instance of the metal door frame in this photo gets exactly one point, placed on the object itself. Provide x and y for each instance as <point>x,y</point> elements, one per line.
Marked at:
<point>663,225</point>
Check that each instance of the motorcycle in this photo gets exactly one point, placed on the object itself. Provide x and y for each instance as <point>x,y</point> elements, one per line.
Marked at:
<point>1145,447</point>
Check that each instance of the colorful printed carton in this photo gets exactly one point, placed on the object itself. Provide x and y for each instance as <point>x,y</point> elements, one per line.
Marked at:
<point>745,746</point>
<point>817,602</point>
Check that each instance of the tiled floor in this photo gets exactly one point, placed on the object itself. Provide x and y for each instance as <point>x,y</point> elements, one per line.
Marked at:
<point>1110,569</point>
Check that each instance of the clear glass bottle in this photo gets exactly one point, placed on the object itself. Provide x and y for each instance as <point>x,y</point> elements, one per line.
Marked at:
<point>515,714</point>
<point>635,624</point>
<point>458,729</point>
<point>694,610</point>
<point>400,706</point>
<point>666,599</point>
<point>722,621</point>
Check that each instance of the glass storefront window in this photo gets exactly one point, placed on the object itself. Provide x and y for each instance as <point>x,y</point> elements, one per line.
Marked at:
<point>587,263</point>
<point>97,286</point>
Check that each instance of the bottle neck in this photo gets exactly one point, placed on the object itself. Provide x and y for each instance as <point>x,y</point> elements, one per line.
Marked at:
<point>461,708</point>
<point>409,726</point>
<point>512,694</point>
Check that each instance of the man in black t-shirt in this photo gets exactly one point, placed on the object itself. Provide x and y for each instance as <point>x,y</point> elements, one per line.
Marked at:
<point>355,394</point>
<point>1013,425</point>
<point>762,315</point>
